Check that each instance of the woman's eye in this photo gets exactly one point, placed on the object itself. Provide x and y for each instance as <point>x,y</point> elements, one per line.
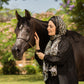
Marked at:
<point>50,26</point>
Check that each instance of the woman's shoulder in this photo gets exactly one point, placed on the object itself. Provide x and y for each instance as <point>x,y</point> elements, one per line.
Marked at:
<point>64,41</point>
<point>64,38</point>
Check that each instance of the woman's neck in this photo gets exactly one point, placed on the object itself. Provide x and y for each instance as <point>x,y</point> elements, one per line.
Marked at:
<point>54,37</point>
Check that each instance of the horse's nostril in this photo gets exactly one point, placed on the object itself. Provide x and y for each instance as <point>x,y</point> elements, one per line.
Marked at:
<point>15,49</point>
<point>18,50</point>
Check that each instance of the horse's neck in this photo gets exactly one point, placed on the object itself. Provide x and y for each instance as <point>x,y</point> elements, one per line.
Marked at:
<point>41,29</point>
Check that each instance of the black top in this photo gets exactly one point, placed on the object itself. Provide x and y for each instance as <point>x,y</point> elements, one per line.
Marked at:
<point>65,62</point>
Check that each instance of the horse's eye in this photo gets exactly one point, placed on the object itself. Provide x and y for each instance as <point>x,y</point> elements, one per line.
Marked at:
<point>21,26</point>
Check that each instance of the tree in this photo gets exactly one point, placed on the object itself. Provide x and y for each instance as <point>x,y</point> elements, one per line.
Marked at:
<point>2,2</point>
<point>75,8</point>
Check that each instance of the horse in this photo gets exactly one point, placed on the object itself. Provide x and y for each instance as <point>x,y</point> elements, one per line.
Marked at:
<point>27,26</point>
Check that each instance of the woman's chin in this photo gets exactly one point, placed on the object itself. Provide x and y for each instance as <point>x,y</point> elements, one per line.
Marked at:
<point>50,35</point>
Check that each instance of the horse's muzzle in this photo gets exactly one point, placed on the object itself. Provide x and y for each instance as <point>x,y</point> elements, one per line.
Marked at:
<point>16,53</point>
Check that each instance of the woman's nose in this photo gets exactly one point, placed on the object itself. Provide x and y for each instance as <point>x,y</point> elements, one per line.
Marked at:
<point>48,28</point>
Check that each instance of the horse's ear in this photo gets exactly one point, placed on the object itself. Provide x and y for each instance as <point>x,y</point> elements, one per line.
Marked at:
<point>17,15</point>
<point>27,14</point>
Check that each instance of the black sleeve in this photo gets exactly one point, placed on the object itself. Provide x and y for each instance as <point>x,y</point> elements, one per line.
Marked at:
<point>65,49</point>
<point>40,62</point>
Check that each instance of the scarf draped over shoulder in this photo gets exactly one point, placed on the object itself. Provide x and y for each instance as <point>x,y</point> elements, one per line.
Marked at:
<point>52,46</point>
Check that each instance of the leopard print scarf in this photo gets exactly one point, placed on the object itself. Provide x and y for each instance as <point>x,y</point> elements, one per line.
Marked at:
<point>52,48</point>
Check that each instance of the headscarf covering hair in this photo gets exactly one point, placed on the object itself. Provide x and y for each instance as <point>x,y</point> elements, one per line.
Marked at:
<point>60,25</point>
<point>52,46</point>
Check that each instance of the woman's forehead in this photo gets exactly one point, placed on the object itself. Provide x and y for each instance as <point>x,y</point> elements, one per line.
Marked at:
<point>51,23</point>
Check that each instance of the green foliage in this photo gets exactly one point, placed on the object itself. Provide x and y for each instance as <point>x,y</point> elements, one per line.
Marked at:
<point>38,67</point>
<point>1,71</point>
<point>2,2</point>
<point>7,39</point>
<point>33,68</point>
<point>75,9</point>
<point>8,36</point>
<point>7,14</point>
<point>30,69</point>
<point>6,42</point>
<point>53,10</point>
<point>9,67</point>
<point>30,53</point>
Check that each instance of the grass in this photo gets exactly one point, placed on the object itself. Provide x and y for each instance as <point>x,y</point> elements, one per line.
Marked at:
<point>23,79</point>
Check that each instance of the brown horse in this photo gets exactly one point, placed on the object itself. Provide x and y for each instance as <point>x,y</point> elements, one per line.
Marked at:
<point>25,29</point>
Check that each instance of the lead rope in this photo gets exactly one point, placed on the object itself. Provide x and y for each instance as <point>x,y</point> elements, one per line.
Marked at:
<point>31,46</point>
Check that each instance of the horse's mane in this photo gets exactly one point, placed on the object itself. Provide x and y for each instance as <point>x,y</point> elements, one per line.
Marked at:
<point>40,20</point>
<point>43,23</point>
<point>74,35</point>
<point>41,29</point>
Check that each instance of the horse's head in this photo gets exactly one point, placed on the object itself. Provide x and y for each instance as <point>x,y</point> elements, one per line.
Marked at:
<point>25,35</point>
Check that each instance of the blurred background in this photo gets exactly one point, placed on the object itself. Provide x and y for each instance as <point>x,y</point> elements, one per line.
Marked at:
<point>11,70</point>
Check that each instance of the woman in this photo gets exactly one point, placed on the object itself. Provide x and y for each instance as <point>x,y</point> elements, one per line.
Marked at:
<point>58,58</point>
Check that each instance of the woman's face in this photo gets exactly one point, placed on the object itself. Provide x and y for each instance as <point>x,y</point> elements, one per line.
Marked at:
<point>51,28</point>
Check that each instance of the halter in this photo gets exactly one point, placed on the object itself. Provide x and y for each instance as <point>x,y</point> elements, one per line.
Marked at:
<point>26,41</point>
